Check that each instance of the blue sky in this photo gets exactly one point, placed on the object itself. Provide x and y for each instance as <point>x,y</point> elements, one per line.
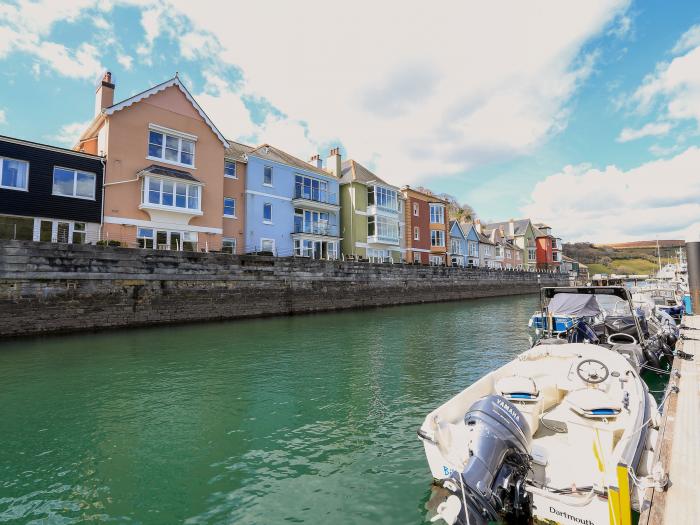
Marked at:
<point>583,114</point>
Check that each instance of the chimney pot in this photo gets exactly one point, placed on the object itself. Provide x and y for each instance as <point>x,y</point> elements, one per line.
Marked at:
<point>334,161</point>
<point>104,95</point>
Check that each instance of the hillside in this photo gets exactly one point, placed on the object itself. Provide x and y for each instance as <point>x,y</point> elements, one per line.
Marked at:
<point>623,258</point>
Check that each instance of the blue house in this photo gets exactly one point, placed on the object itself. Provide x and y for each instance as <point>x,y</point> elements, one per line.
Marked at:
<point>472,237</point>
<point>292,206</point>
<point>458,245</point>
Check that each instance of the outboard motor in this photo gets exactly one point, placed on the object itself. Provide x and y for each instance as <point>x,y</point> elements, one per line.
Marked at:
<point>493,481</point>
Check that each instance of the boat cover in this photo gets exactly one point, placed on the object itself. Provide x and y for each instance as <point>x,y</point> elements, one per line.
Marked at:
<point>577,305</point>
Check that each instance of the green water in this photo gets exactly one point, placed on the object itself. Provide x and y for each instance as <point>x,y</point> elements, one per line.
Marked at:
<point>292,420</point>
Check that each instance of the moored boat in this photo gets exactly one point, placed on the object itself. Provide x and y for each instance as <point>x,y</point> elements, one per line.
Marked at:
<point>561,433</point>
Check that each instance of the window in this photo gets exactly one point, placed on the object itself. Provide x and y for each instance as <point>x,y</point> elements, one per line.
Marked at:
<point>229,207</point>
<point>312,189</point>
<point>437,238</point>
<point>303,247</point>
<point>230,169</point>
<point>170,148</point>
<point>382,197</point>
<point>267,245</point>
<point>436,260</point>
<point>415,209</point>
<point>267,175</point>
<point>228,246</point>
<point>498,251</point>
<point>473,249</point>
<point>531,254</point>
<point>13,174</point>
<point>79,232</point>
<point>73,183</point>
<point>456,246</point>
<point>267,212</point>
<point>383,227</point>
<point>416,233</point>
<point>437,214</point>
<point>163,192</point>
<point>19,228</point>
<point>144,237</point>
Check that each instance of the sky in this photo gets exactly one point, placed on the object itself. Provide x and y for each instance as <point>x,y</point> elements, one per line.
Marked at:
<point>583,115</point>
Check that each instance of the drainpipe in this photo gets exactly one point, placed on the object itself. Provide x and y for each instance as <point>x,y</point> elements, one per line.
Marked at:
<point>102,207</point>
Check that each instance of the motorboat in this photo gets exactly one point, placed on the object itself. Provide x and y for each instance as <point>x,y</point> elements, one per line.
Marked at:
<point>562,434</point>
<point>605,316</point>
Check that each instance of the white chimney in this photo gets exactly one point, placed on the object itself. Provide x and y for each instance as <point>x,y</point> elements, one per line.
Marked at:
<point>477,226</point>
<point>316,161</point>
<point>333,162</point>
<point>511,228</point>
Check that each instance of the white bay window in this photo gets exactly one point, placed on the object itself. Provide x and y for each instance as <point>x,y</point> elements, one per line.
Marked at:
<point>167,193</point>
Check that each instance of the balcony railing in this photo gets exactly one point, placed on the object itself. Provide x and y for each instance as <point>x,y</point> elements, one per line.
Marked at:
<point>316,228</point>
<point>384,239</point>
<point>314,194</point>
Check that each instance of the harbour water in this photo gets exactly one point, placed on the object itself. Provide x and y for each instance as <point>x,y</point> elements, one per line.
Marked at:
<point>299,419</point>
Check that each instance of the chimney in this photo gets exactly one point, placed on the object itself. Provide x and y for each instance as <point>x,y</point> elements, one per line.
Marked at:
<point>477,226</point>
<point>316,161</point>
<point>333,162</point>
<point>503,232</point>
<point>511,228</point>
<point>104,96</point>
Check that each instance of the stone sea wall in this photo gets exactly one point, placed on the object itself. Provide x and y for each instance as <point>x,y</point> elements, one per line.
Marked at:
<point>46,287</point>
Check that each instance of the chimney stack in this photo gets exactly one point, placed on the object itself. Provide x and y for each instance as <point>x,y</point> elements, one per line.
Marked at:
<point>104,96</point>
<point>333,162</point>
<point>477,226</point>
<point>511,228</point>
<point>316,161</point>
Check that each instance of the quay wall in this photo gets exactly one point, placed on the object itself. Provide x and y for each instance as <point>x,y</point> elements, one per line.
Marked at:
<point>47,287</point>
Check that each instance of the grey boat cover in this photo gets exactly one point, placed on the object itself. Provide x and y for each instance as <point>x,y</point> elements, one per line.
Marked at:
<point>576,305</point>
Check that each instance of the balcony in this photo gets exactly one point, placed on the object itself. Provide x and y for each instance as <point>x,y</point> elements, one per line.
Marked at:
<point>383,239</point>
<point>375,209</point>
<point>315,197</point>
<point>316,228</point>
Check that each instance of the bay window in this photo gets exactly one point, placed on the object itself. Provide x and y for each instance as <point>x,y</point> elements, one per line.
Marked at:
<point>382,197</point>
<point>383,227</point>
<point>171,194</point>
<point>437,238</point>
<point>170,148</point>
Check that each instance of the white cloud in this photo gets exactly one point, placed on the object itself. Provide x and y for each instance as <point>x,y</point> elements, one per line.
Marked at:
<point>648,130</point>
<point>687,41</point>
<point>674,86</point>
<point>609,205</point>
<point>3,117</point>
<point>68,134</point>
<point>421,93</point>
<point>125,61</point>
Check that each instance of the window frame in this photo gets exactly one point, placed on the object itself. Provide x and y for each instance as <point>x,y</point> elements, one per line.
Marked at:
<point>416,209</point>
<point>235,169</point>
<point>175,135</point>
<point>272,180</point>
<point>75,183</point>
<point>26,178</point>
<point>146,190</point>
<point>441,207</point>
<point>230,216</point>
<point>416,233</point>
<point>432,241</point>
<point>232,240</point>
<point>267,239</point>
<point>267,205</point>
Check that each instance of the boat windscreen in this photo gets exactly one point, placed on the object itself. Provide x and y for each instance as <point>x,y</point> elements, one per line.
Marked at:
<point>577,305</point>
<point>613,305</point>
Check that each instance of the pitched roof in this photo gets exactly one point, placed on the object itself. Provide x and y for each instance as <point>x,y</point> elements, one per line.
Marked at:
<point>175,81</point>
<point>237,151</point>
<point>155,169</point>
<point>353,171</point>
<point>266,151</point>
<point>484,239</point>
<point>459,226</point>
<point>519,226</point>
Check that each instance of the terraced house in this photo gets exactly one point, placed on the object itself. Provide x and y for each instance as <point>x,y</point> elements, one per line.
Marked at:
<point>292,206</point>
<point>548,248</point>
<point>522,234</point>
<point>372,223</point>
<point>164,176</point>
<point>427,228</point>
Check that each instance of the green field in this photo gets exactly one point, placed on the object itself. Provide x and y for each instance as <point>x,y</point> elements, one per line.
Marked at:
<point>627,261</point>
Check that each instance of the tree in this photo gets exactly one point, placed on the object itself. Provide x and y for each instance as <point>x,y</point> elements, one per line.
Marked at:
<point>457,211</point>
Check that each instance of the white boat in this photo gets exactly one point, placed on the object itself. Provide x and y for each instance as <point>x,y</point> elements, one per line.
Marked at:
<point>562,433</point>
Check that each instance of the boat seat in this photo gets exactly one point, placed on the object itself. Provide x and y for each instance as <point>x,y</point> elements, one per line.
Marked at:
<point>593,403</point>
<point>518,388</point>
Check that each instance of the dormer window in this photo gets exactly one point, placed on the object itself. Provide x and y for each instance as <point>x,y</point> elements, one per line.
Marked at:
<point>171,147</point>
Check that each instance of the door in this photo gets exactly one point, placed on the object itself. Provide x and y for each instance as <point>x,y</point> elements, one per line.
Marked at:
<point>162,240</point>
<point>62,231</point>
<point>175,241</point>
<point>46,231</point>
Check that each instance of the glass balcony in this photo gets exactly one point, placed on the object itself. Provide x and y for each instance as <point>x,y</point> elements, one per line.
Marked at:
<point>314,194</point>
<point>316,228</point>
